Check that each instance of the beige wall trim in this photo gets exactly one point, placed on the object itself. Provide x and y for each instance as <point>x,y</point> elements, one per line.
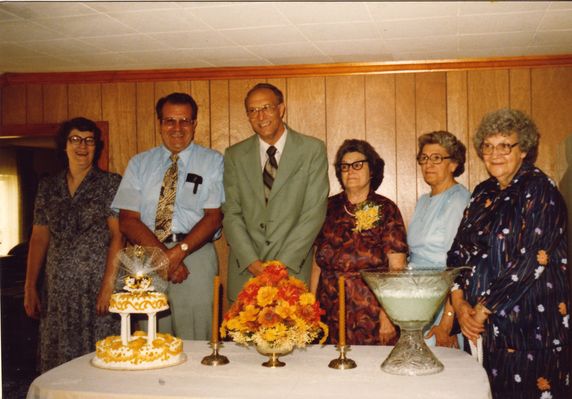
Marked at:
<point>283,71</point>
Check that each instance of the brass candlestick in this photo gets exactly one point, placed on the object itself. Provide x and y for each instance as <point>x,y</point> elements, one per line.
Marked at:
<point>215,359</point>
<point>342,363</point>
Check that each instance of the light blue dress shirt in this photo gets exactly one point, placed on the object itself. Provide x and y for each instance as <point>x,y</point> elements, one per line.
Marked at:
<point>431,233</point>
<point>141,185</point>
<point>434,225</point>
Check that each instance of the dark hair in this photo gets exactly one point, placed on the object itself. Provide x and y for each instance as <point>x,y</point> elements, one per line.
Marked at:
<point>504,122</point>
<point>83,125</point>
<point>454,147</point>
<point>266,86</point>
<point>178,99</point>
<point>376,164</point>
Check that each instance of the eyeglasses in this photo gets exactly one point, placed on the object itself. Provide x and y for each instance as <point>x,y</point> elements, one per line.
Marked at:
<point>357,165</point>
<point>171,123</point>
<point>501,148</point>
<point>77,140</point>
<point>434,158</point>
<point>267,109</point>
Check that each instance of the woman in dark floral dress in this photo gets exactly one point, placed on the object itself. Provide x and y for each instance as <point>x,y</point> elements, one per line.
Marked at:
<point>78,236</point>
<point>363,230</point>
<point>513,235</point>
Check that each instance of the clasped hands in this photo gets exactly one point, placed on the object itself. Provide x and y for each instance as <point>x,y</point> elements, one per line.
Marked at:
<point>177,272</point>
<point>472,319</point>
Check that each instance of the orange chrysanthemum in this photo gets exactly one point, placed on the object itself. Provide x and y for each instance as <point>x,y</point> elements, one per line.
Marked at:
<point>542,257</point>
<point>562,309</point>
<point>274,307</point>
<point>543,384</point>
<point>268,317</point>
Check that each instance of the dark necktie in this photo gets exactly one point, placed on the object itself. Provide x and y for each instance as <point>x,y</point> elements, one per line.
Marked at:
<point>166,205</point>
<point>269,173</point>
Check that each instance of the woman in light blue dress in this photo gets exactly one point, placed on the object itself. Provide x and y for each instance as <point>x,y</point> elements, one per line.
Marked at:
<point>437,216</point>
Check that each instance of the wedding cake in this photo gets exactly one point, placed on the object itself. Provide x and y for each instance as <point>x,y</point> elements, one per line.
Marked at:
<point>140,350</point>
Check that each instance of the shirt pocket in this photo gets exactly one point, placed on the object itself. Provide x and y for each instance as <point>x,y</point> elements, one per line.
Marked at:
<point>194,199</point>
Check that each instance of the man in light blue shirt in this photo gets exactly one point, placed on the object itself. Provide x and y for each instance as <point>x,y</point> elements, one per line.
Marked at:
<point>196,219</point>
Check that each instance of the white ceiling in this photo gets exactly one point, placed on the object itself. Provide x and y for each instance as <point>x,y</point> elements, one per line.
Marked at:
<point>89,36</point>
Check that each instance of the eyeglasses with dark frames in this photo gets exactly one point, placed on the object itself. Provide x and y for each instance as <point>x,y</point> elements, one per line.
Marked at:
<point>435,159</point>
<point>357,165</point>
<point>501,148</point>
<point>267,109</point>
<point>77,140</point>
<point>171,123</point>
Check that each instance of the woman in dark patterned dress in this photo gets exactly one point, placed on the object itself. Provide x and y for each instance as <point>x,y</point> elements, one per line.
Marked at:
<point>513,234</point>
<point>363,230</point>
<point>78,236</point>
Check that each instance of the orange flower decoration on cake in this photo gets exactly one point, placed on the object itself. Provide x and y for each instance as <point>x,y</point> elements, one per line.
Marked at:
<point>542,257</point>
<point>543,384</point>
<point>274,309</point>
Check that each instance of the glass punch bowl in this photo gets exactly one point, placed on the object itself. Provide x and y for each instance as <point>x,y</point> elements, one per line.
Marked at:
<point>411,298</point>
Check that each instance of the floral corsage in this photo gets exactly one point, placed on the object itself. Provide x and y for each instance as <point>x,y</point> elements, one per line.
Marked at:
<point>366,216</point>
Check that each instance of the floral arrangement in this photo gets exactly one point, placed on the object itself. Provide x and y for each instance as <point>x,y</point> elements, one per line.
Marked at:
<point>367,216</point>
<point>274,310</point>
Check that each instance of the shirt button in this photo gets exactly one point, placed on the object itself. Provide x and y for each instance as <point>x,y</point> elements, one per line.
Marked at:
<point>267,242</point>
<point>262,225</point>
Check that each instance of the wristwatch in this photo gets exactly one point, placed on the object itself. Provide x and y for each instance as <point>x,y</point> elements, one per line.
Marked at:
<point>184,247</point>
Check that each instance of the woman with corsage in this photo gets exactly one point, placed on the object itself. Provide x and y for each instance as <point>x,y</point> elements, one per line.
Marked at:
<point>363,230</point>
<point>514,302</point>
<point>77,234</point>
<point>437,215</point>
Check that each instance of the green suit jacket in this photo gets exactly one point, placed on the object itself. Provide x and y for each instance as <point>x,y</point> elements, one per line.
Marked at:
<point>286,227</point>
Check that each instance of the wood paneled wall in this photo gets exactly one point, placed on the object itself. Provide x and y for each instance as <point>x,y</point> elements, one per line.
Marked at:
<point>389,110</point>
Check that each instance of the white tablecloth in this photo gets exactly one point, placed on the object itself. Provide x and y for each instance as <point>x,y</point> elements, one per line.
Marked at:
<point>306,375</point>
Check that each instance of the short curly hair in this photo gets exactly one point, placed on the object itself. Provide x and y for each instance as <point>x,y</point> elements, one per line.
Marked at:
<point>454,147</point>
<point>83,125</point>
<point>505,122</point>
<point>376,163</point>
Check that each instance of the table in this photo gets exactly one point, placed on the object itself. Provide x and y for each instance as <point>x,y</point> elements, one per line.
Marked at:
<point>305,375</point>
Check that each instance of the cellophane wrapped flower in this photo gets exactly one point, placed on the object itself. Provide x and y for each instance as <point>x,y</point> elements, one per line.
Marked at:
<point>275,310</point>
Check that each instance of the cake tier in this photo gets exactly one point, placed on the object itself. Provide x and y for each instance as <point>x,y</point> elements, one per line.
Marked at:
<point>164,351</point>
<point>144,302</point>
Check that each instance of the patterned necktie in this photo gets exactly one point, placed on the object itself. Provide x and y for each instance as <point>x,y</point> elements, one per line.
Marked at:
<point>166,205</point>
<point>269,172</point>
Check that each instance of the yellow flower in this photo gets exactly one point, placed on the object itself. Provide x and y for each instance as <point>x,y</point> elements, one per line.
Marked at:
<point>235,324</point>
<point>285,310</point>
<point>543,384</point>
<point>274,333</point>
<point>542,257</point>
<point>562,309</point>
<point>307,299</point>
<point>366,217</point>
<point>250,313</point>
<point>266,296</point>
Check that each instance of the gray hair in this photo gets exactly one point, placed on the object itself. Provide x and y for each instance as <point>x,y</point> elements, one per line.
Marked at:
<point>505,122</point>
<point>454,147</point>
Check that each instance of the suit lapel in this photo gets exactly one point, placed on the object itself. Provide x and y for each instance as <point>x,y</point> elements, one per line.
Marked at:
<point>289,162</point>
<point>252,170</point>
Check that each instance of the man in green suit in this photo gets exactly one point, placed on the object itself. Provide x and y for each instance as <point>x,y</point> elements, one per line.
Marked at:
<point>276,188</point>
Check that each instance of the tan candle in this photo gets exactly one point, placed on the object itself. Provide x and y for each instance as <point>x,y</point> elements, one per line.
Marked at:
<point>214,336</point>
<point>342,311</point>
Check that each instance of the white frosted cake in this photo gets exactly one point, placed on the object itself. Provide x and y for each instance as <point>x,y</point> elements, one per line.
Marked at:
<point>165,350</point>
<point>140,351</point>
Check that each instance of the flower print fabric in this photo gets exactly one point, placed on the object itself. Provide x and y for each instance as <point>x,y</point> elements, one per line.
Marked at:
<point>516,241</point>
<point>343,251</point>
<point>75,263</point>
